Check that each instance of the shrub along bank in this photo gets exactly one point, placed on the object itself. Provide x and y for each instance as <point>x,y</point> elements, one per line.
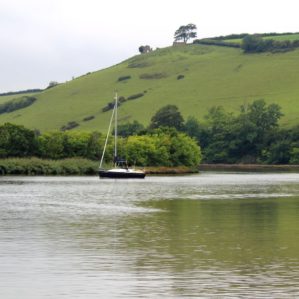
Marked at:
<point>75,152</point>
<point>37,166</point>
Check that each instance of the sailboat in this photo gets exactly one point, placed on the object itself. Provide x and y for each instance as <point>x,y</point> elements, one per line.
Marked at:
<point>120,169</point>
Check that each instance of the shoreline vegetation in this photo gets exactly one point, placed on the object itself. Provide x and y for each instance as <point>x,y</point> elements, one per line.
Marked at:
<point>72,166</point>
<point>248,167</point>
<point>79,166</point>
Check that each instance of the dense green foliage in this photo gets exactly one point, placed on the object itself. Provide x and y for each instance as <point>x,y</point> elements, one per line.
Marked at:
<point>17,141</point>
<point>161,147</point>
<point>256,44</point>
<point>128,129</point>
<point>253,136</point>
<point>167,116</point>
<point>165,147</point>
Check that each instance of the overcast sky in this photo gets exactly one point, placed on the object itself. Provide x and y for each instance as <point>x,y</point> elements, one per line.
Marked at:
<point>55,40</point>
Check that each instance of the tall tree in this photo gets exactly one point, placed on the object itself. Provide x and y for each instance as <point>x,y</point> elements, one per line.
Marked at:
<point>185,32</point>
<point>167,116</point>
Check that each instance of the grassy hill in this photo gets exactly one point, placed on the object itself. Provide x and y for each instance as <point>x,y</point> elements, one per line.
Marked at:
<point>210,76</point>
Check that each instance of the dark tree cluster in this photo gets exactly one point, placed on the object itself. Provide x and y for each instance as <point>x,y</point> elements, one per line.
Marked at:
<point>256,44</point>
<point>253,136</point>
<point>159,146</point>
<point>16,104</point>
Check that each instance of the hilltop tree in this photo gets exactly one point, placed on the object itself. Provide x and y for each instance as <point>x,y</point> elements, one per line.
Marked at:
<point>185,32</point>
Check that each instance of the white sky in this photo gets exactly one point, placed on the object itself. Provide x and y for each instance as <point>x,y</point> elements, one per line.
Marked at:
<point>54,40</point>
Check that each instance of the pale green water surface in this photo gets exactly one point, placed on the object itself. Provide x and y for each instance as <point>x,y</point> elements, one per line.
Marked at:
<point>212,235</point>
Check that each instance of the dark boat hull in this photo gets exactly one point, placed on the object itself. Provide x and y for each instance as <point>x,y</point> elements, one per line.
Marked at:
<point>121,175</point>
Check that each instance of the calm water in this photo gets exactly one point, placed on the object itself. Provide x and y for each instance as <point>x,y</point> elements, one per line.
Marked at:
<point>212,235</point>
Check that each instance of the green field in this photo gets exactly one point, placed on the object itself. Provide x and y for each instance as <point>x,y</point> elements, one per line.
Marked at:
<point>290,37</point>
<point>212,76</point>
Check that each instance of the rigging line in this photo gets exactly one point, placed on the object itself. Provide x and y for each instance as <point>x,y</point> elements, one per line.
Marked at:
<point>115,129</point>
<point>102,158</point>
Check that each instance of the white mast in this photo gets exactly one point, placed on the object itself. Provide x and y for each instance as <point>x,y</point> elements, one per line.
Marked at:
<point>105,145</point>
<point>115,129</point>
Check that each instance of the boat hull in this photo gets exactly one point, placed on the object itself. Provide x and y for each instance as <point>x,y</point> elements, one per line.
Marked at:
<point>121,175</point>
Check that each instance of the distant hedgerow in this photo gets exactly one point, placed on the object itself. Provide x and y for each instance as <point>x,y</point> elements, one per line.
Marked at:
<point>123,78</point>
<point>70,125</point>
<point>135,96</point>
<point>121,100</point>
<point>87,118</point>
<point>148,76</point>
<point>180,77</point>
<point>109,106</point>
<point>16,104</point>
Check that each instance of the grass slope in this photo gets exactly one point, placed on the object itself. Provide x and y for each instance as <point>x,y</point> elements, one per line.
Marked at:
<point>212,76</point>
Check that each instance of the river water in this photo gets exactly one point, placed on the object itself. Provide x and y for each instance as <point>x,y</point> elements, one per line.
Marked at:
<point>211,235</point>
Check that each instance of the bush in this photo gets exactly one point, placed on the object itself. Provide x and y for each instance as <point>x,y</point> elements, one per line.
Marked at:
<point>135,96</point>
<point>163,148</point>
<point>69,126</point>
<point>36,166</point>
<point>123,78</point>
<point>88,118</point>
<point>180,77</point>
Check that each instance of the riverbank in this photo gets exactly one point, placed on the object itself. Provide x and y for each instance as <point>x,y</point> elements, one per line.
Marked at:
<point>80,166</point>
<point>247,167</point>
<point>72,166</point>
<point>36,166</point>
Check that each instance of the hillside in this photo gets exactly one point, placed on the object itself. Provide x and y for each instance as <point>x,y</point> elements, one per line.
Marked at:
<point>211,76</point>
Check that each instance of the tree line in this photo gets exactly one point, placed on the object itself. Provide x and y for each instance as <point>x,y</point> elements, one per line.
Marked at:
<point>158,147</point>
<point>256,44</point>
<point>251,136</point>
